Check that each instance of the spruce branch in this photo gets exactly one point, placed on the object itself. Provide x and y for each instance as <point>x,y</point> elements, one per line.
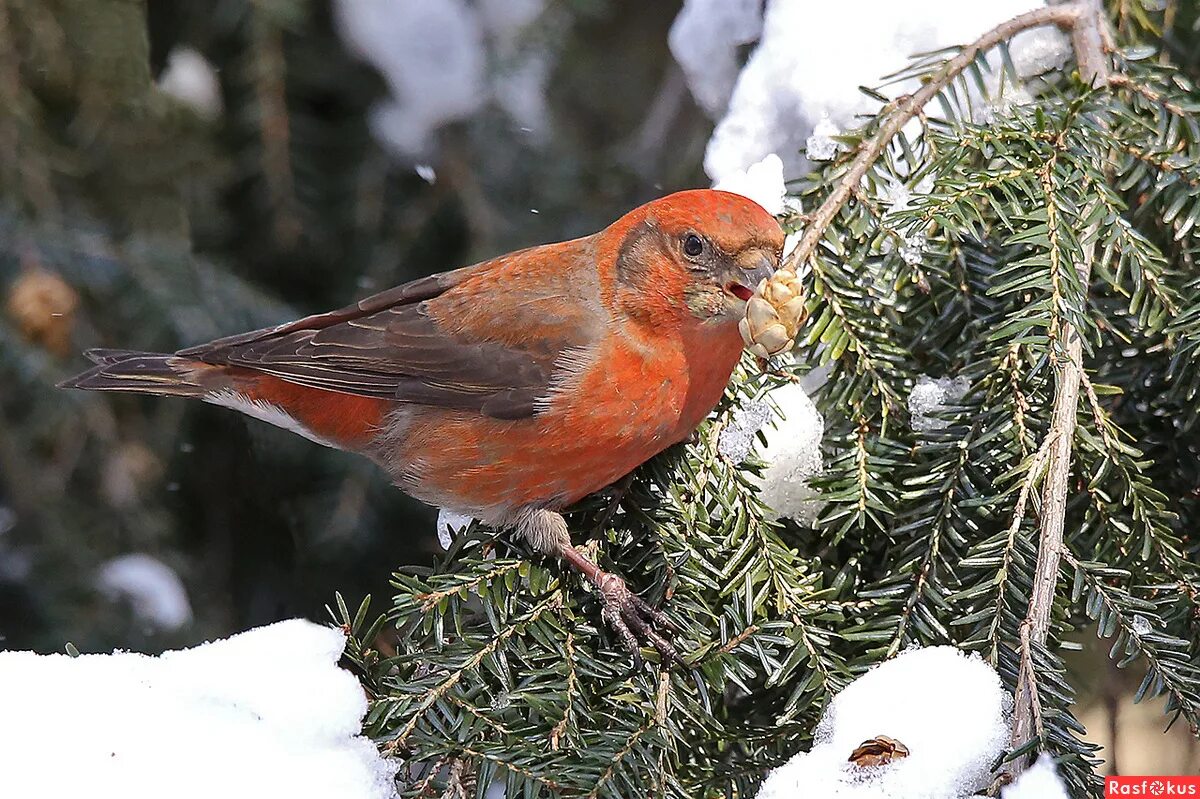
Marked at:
<point>1169,669</point>
<point>1085,21</point>
<point>435,693</point>
<point>1033,255</point>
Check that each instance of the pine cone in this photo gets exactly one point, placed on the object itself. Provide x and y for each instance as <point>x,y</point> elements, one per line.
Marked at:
<point>43,305</point>
<point>774,315</point>
<point>878,751</point>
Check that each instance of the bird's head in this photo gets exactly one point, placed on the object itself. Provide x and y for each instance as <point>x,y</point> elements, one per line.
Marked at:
<point>696,254</point>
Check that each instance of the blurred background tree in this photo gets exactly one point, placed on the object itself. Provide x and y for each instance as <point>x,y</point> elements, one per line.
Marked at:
<point>174,171</point>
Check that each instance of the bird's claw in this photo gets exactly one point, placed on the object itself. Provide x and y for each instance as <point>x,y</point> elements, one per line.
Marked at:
<point>635,622</point>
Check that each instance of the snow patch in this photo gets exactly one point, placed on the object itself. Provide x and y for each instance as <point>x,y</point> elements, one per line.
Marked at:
<point>821,146</point>
<point>426,173</point>
<point>443,60</point>
<point>737,437</point>
<point>1039,781</point>
<point>151,587</point>
<point>761,181</point>
<point>190,78</point>
<point>899,196</point>
<point>264,713</point>
<point>949,709</point>
<point>705,38</point>
<point>1003,101</point>
<point>931,395</point>
<point>518,72</point>
<point>450,524</point>
<point>792,454</point>
<point>1040,50</point>
<point>812,57</point>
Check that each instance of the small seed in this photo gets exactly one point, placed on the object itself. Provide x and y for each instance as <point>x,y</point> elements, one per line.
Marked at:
<point>747,335</point>
<point>775,339</point>
<point>761,314</point>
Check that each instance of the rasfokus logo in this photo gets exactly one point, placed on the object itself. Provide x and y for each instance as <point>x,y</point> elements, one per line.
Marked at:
<point>1151,786</point>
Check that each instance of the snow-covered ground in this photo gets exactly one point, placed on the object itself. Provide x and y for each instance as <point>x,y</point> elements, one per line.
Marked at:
<point>262,714</point>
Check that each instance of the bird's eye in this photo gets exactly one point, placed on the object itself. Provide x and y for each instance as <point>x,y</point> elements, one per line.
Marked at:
<point>693,245</point>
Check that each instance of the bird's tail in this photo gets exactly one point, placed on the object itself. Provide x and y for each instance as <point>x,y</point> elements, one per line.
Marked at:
<point>141,372</point>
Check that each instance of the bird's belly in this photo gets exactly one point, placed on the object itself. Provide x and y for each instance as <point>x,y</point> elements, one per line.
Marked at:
<point>585,440</point>
<point>491,467</point>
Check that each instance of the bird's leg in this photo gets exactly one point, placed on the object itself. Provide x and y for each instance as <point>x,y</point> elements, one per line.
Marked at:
<point>629,616</point>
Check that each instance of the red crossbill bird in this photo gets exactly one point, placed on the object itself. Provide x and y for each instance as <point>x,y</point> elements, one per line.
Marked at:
<point>510,389</point>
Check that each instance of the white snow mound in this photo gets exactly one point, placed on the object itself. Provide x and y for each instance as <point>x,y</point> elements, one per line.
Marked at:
<point>1039,781</point>
<point>812,57</point>
<point>949,710</point>
<point>264,713</point>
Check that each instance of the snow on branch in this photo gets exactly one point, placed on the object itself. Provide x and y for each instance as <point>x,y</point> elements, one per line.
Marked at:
<point>928,724</point>
<point>785,90</point>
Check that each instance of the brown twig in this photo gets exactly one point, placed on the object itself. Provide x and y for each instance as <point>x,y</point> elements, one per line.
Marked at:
<point>736,641</point>
<point>621,754</point>
<point>1036,466</point>
<point>1145,91</point>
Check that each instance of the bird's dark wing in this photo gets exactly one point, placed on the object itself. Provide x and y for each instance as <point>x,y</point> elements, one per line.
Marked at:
<point>434,341</point>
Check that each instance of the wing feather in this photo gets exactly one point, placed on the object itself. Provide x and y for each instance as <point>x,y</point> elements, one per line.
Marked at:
<point>436,341</point>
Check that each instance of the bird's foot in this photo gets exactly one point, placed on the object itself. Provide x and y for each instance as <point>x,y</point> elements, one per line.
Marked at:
<point>634,621</point>
<point>630,617</point>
